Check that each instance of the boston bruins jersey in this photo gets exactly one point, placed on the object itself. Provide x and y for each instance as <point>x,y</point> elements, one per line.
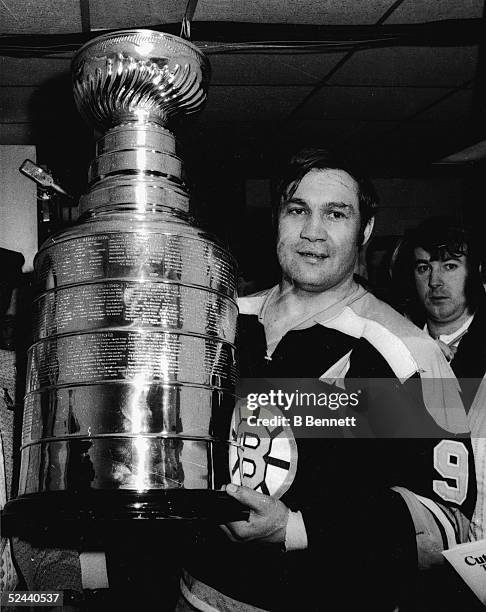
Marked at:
<point>377,506</point>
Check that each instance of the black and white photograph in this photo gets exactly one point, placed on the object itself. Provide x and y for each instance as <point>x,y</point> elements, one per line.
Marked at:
<point>243,305</point>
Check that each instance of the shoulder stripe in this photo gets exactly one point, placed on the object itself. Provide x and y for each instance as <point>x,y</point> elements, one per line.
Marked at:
<point>388,344</point>
<point>441,518</point>
<point>194,601</point>
<point>433,530</point>
<point>477,529</point>
<point>196,592</point>
<point>336,373</point>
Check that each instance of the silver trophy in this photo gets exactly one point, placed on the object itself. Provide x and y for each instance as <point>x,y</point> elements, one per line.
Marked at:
<point>132,371</point>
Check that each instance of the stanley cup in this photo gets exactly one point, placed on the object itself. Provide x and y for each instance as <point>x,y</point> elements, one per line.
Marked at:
<point>132,371</point>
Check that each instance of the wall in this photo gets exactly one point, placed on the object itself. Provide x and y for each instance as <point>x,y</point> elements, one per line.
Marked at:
<point>18,206</point>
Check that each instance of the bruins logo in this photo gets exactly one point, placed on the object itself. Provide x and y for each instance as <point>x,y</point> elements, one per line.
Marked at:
<point>264,457</point>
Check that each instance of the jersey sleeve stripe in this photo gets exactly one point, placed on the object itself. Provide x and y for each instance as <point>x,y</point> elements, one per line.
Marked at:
<point>433,530</point>
<point>441,519</point>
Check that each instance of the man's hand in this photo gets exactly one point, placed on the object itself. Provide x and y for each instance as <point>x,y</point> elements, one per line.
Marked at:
<point>267,521</point>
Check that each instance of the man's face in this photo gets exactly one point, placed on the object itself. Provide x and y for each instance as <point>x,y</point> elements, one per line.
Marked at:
<point>441,286</point>
<point>318,230</point>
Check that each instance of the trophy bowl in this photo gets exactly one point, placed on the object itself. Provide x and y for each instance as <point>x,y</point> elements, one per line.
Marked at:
<point>138,75</point>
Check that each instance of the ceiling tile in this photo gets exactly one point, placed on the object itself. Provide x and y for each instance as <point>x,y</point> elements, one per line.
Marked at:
<point>276,69</point>
<point>413,11</point>
<point>384,143</point>
<point>415,140</point>
<point>420,66</point>
<point>294,133</point>
<point>46,17</point>
<point>456,106</point>
<point>325,12</point>
<point>470,153</point>
<point>56,16</point>
<point>128,14</point>
<point>364,103</point>
<point>321,133</point>
<point>252,103</point>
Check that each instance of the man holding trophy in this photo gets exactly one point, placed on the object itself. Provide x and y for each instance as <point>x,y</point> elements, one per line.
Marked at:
<point>132,372</point>
<point>336,519</point>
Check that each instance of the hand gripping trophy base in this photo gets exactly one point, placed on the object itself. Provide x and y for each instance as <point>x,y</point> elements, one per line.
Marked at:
<point>131,375</point>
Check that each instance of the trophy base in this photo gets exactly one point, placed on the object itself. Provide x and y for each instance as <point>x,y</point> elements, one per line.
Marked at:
<point>98,515</point>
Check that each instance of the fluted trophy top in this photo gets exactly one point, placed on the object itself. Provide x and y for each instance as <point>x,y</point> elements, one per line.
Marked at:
<point>138,76</point>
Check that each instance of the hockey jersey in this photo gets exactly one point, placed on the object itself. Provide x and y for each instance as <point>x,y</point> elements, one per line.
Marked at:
<point>376,505</point>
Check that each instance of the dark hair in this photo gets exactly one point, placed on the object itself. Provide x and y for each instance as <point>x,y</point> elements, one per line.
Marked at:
<point>442,237</point>
<point>323,159</point>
